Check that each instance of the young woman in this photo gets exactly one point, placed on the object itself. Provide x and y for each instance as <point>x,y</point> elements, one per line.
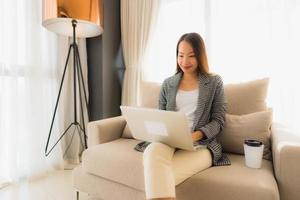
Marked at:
<point>200,95</point>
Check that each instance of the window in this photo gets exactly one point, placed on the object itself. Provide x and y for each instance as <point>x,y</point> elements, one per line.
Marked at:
<point>28,86</point>
<point>245,40</point>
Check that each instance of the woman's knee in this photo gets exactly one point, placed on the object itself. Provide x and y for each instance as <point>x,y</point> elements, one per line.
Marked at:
<point>157,152</point>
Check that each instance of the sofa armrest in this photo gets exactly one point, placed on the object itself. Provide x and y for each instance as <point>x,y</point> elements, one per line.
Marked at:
<point>286,161</point>
<point>105,130</point>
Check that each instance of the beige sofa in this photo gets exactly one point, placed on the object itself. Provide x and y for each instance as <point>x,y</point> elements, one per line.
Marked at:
<point>112,170</point>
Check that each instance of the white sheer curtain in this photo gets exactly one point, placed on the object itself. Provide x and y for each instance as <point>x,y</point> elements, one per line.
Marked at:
<point>137,20</point>
<point>245,40</point>
<point>29,78</point>
<point>175,18</point>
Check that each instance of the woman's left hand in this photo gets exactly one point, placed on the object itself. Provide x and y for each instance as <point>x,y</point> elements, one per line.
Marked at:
<point>197,135</point>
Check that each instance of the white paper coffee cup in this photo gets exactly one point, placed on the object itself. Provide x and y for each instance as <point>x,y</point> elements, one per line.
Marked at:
<point>253,153</point>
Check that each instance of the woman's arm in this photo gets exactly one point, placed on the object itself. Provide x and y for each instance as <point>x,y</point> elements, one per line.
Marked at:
<point>217,120</point>
<point>162,102</point>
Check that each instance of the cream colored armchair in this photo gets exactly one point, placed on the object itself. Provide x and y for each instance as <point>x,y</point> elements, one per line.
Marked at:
<point>112,170</point>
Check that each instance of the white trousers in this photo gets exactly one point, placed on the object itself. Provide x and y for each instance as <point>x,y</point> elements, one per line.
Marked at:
<point>164,169</point>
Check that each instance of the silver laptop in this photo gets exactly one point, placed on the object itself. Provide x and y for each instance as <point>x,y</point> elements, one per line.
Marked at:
<point>155,125</point>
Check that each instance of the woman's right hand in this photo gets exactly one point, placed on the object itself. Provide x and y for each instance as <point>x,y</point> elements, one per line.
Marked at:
<point>197,135</point>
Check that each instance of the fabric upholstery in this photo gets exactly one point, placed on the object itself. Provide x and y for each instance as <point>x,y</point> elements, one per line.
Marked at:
<point>116,161</point>
<point>110,129</point>
<point>246,97</point>
<point>96,160</point>
<point>234,182</point>
<point>127,133</point>
<point>251,126</point>
<point>149,94</point>
<point>286,159</point>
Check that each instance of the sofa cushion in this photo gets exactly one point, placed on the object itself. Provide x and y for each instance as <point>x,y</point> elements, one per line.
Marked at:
<point>246,97</point>
<point>251,126</point>
<point>117,161</point>
<point>233,182</point>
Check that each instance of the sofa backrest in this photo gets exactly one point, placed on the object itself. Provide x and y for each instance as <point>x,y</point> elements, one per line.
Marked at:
<point>241,98</point>
<point>150,94</point>
<point>247,114</point>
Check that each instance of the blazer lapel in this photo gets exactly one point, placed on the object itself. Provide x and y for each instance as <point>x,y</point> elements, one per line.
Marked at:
<point>174,84</point>
<point>203,85</point>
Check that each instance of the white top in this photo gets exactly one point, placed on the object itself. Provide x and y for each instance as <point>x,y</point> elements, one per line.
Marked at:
<point>186,102</point>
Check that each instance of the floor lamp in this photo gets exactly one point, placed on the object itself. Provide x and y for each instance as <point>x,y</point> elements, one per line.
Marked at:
<point>76,19</point>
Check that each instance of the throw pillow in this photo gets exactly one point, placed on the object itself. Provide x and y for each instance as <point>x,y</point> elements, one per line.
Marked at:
<point>251,126</point>
<point>247,97</point>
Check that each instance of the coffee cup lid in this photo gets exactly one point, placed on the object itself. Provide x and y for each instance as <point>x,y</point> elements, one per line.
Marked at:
<point>253,143</point>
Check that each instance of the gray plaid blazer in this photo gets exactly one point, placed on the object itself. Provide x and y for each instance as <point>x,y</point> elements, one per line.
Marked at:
<point>209,114</point>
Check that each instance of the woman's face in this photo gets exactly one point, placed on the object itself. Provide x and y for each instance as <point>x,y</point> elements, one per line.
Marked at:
<point>186,58</point>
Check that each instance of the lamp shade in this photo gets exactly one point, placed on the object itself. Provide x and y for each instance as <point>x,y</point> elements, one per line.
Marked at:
<point>58,14</point>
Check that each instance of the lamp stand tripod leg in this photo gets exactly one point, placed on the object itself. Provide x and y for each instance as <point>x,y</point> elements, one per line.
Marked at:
<point>77,195</point>
<point>56,104</point>
<point>82,80</point>
<point>81,87</point>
